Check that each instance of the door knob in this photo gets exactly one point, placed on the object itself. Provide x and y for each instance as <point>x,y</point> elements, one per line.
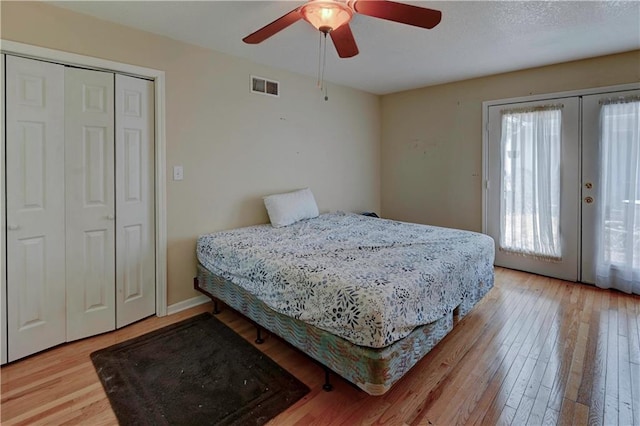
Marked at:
<point>13,227</point>
<point>588,200</point>
<point>110,217</point>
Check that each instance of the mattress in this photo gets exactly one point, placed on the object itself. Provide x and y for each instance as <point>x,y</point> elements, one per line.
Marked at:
<point>370,281</point>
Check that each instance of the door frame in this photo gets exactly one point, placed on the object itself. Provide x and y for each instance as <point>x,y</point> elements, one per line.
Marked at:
<point>4,323</point>
<point>541,97</point>
<point>158,77</point>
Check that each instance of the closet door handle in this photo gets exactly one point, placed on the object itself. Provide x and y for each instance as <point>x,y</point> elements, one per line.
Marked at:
<point>110,217</point>
<point>13,227</point>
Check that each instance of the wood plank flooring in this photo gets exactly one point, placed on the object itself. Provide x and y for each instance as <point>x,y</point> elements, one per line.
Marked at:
<point>534,351</point>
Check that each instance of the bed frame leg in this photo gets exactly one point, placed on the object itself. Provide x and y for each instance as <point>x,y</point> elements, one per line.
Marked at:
<point>259,339</point>
<point>327,387</point>
<point>196,285</point>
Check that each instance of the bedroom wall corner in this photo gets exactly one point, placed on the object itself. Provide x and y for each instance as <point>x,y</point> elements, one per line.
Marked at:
<point>432,137</point>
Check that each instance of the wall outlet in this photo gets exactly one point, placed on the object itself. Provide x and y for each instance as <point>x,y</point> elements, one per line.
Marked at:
<point>178,173</point>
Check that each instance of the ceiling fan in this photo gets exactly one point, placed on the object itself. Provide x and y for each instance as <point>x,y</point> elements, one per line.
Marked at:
<point>332,17</point>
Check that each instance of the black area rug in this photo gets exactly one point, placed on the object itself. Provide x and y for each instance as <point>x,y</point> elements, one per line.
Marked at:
<point>195,372</point>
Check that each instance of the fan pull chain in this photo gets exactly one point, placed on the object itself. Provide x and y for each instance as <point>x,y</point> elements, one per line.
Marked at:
<point>319,61</point>
<point>322,63</point>
<point>324,66</point>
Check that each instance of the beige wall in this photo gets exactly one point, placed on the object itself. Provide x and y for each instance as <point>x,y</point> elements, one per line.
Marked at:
<point>235,146</point>
<point>432,137</point>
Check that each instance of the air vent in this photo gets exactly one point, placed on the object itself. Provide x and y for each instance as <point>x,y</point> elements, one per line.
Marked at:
<point>264,86</point>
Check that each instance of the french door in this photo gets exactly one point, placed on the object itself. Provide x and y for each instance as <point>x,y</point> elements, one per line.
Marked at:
<point>563,187</point>
<point>611,191</point>
<point>533,192</point>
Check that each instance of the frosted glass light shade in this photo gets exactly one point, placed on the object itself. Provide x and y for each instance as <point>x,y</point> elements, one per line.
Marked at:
<point>326,15</point>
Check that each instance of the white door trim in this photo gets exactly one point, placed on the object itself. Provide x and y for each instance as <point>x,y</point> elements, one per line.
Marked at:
<point>66,58</point>
<point>540,97</point>
<point>3,274</point>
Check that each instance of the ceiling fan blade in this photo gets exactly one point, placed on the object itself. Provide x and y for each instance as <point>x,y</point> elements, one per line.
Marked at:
<point>344,42</point>
<point>398,12</point>
<point>276,26</point>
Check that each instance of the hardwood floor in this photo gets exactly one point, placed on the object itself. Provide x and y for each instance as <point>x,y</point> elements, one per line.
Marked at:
<point>534,351</point>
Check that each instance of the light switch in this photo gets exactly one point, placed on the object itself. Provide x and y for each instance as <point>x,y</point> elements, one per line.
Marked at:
<point>178,173</point>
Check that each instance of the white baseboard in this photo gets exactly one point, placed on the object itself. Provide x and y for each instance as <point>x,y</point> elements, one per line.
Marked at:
<point>186,304</point>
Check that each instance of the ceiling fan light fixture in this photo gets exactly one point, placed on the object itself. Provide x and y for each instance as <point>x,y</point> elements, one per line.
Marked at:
<point>326,15</point>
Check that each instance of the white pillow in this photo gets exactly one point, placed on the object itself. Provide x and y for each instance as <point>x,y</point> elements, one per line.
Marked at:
<point>290,207</point>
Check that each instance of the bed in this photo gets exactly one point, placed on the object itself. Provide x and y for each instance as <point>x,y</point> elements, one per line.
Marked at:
<point>365,297</point>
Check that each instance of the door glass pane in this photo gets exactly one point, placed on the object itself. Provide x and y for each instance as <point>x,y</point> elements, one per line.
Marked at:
<point>530,182</point>
<point>618,258</point>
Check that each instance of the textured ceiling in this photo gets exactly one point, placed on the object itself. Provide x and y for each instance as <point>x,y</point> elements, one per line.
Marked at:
<point>474,39</point>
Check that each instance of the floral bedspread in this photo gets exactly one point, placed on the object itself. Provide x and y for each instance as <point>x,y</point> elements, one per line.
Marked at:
<point>368,280</point>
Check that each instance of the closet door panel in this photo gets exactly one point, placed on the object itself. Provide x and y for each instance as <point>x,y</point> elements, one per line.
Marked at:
<point>135,228</point>
<point>90,202</point>
<point>35,206</point>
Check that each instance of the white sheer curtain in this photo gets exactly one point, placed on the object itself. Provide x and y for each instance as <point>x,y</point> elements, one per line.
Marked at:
<point>530,205</point>
<point>618,234</point>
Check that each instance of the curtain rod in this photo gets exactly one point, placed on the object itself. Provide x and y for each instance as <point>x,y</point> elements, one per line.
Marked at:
<point>620,100</point>
<point>550,107</point>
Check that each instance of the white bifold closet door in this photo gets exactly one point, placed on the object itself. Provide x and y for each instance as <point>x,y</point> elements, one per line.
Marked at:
<point>35,206</point>
<point>90,202</point>
<point>79,204</point>
<point>135,224</point>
